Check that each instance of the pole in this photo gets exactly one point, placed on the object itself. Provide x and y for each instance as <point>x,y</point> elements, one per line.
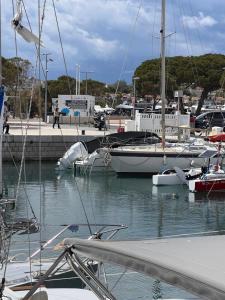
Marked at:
<point>134,94</point>
<point>46,85</point>
<point>163,69</point>
<point>134,98</point>
<point>86,80</point>
<point>2,109</point>
<point>76,79</point>
<point>86,84</point>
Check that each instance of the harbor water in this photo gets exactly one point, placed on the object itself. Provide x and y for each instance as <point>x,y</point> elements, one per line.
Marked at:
<point>149,212</point>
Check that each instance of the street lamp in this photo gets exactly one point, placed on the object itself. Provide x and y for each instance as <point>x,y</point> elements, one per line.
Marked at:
<point>134,92</point>
<point>86,72</point>
<point>46,82</point>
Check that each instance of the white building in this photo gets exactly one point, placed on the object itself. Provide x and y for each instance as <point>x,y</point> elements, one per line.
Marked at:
<point>75,105</point>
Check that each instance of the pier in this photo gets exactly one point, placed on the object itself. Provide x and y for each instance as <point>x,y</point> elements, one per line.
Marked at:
<point>42,141</point>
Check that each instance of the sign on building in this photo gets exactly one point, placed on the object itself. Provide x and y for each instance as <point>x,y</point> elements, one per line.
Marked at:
<point>72,105</point>
<point>77,104</point>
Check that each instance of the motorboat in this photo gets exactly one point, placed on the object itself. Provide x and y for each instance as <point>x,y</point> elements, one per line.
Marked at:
<point>177,176</point>
<point>100,159</point>
<point>213,180</point>
<point>174,177</point>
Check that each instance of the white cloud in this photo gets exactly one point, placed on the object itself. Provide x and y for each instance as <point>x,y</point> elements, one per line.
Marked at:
<point>99,33</point>
<point>199,21</point>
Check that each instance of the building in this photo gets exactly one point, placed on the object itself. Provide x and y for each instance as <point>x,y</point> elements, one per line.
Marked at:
<point>74,105</point>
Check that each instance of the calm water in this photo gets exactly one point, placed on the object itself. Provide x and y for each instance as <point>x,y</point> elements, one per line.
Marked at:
<point>148,211</point>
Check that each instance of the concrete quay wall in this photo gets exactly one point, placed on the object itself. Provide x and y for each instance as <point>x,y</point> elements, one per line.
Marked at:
<point>52,147</point>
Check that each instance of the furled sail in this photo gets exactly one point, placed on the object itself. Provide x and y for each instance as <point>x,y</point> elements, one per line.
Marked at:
<point>22,30</point>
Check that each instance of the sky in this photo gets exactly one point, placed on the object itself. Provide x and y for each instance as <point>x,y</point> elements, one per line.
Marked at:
<point>111,38</point>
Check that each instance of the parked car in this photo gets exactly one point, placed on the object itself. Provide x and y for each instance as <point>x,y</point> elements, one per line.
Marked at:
<point>210,119</point>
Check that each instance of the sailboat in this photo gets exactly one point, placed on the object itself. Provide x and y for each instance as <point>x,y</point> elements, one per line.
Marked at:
<point>152,159</point>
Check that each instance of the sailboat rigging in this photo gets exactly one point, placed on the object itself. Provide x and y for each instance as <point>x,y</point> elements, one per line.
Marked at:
<point>153,159</point>
<point>21,29</point>
<point>163,70</point>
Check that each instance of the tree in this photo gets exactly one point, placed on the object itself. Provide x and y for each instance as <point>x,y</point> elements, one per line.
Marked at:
<point>120,87</point>
<point>17,80</point>
<point>63,85</point>
<point>205,70</point>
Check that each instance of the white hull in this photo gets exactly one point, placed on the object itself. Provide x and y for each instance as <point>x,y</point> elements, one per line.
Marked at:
<point>179,177</point>
<point>152,165</point>
<point>153,159</point>
<point>166,179</point>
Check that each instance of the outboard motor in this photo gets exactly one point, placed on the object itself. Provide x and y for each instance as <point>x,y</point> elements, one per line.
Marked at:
<point>76,151</point>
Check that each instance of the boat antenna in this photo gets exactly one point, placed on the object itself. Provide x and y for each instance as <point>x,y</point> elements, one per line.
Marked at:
<point>163,69</point>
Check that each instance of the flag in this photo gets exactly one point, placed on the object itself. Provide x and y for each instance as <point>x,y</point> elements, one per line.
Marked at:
<point>1,97</point>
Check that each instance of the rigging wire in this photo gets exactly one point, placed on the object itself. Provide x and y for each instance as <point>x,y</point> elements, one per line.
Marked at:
<point>28,236</point>
<point>61,44</point>
<point>40,19</point>
<point>69,86</point>
<point>118,280</point>
<point>24,186</point>
<point>123,67</point>
<point>153,28</point>
<point>21,166</point>
<point>186,35</point>
<point>197,27</point>
<point>82,203</point>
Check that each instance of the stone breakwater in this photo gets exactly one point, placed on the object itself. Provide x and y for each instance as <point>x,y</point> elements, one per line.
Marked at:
<point>50,148</point>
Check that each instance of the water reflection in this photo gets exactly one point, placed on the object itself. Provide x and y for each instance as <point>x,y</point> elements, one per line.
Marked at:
<point>147,210</point>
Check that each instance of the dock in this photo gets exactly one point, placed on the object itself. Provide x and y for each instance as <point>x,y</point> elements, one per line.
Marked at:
<point>43,142</point>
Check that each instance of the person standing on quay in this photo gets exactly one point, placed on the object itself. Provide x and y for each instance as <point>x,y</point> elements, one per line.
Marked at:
<point>56,117</point>
<point>5,119</point>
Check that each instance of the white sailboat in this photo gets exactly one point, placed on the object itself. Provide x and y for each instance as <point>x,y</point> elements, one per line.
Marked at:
<point>152,159</point>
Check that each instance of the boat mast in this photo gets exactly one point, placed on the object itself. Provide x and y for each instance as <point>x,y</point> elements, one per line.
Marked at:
<point>163,69</point>
<point>2,105</point>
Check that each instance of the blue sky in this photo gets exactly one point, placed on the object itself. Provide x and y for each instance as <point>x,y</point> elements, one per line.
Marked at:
<point>113,37</point>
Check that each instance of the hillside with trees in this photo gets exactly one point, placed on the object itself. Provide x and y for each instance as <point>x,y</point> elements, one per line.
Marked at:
<point>205,71</point>
<point>17,78</point>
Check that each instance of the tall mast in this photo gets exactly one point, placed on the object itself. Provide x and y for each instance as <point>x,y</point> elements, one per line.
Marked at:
<point>163,68</point>
<point>2,105</point>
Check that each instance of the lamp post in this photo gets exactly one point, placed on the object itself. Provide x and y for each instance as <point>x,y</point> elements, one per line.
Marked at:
<point>46,82</point>
<point>86,72</point>
<point>134,92</point>
<point>77,79</point>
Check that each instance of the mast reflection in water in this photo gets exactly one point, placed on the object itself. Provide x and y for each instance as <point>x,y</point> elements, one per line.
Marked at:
<point>148,211</point>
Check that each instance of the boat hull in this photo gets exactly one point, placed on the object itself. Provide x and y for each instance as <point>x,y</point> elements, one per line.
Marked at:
<point>207,185</point>
<point>166,179</point>
<point>150,163</point>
